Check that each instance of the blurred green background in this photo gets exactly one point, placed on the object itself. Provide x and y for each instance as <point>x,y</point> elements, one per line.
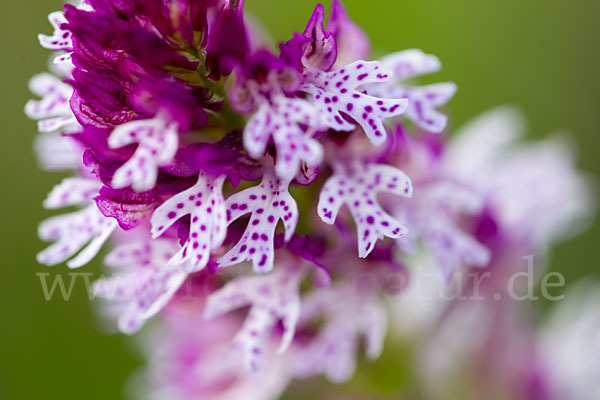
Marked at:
<point>539,55</point>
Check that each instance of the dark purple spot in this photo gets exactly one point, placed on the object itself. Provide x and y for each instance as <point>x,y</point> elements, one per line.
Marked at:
<point>263,260</point>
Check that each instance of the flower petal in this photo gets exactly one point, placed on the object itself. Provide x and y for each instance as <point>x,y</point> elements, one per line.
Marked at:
<point>143,283</point>
<point>424,100</point>
<point>73,191</point>
<point>272,297</point>
<point>158,141</point>
<point>53,111</point>
<point>204,203</point>
<point>348,315</point>
<point>281,119</point>
<point>357,186</point>
<point>433,217</point>
<point>71,232</point>
<point>337,95</point>
<point>61,39</point>
<point>269,203</point>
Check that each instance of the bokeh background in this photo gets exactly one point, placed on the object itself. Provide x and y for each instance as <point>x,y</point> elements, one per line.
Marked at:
<point>539,55</point>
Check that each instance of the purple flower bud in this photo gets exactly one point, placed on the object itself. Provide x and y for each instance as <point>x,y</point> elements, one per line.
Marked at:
<point>227,40</point>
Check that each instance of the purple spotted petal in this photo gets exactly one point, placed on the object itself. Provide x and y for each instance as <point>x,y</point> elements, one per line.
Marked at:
<point>423,101</point>
<point>268,203</point>
<point>410,63</point>
<point>73,191</point>
<point>71,233</point>
<point>357,186</point>
<point>66,58</point>
<point>204,203</point>
<point>158,141</point>
<point>336,93</point>
<point>281,119</point>
<point>61,39</point>
<point>272,298</point>
<point>53,110</point>
<point>143,283</point>
<point>349,316</point>
<point>55,97</point>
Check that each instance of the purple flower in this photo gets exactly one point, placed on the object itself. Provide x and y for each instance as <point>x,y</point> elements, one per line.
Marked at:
<point>195,147</point>
<point>315,48</point>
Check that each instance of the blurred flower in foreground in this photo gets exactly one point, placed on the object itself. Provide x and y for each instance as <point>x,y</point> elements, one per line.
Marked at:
<point>198,148</point>
<point>474,337</point>
<point>570,344</point>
